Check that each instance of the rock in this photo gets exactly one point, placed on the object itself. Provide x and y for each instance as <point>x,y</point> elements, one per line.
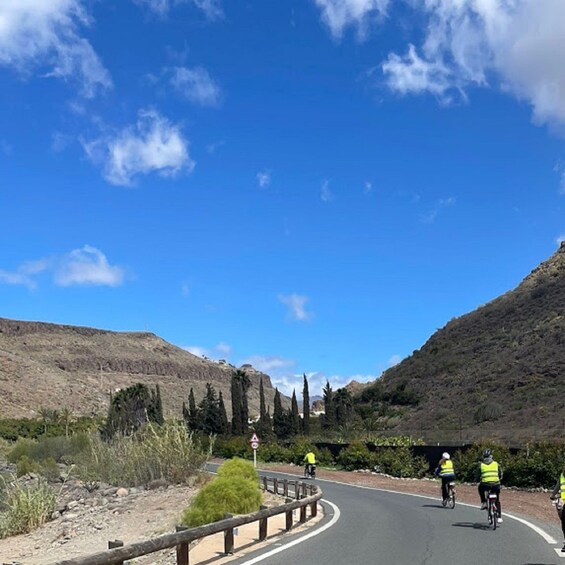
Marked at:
<point>121,492</point>
<point>55,515</point>
<point>69,516</point>
<point>72,504</point>
<point>157,483</point>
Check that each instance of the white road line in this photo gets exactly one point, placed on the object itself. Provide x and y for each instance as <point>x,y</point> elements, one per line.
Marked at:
<point>286,546</point>
<point>533,527</point>
<point>559,552</point>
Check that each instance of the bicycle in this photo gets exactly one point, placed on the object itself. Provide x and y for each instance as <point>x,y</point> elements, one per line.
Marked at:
<point>492,508</point>
<point>310,471</point>
<point>450,500</point>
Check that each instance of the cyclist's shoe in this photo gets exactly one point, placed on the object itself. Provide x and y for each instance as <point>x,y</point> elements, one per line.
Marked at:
<point>499,520</point>
<point>484,506</point>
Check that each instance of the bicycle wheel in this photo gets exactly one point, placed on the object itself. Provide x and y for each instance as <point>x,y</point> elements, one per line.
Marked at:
<point>451,500</point>
<point>493,514</point>
<point>444,501</point>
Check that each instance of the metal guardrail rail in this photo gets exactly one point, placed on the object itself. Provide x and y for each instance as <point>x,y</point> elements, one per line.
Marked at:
<point>305,494</point>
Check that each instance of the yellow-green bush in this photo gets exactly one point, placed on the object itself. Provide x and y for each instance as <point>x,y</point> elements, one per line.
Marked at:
<point>232,494</point>
<point>240,468</point>
<point>25,508</point>
<point>25,465</point>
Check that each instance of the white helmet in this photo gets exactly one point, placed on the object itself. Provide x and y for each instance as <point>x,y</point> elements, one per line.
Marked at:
<point>446,455</point>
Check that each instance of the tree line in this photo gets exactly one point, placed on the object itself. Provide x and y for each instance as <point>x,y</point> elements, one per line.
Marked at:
<point>132,407</point>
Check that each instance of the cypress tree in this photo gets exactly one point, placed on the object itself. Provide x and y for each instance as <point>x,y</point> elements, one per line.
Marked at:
<point>343,402</point>
<point>306,408</point>
<point>294,415</point>
<point>262,403</point>
<point>224,424</point>
<point>237,416</point>
<point>328,423</point>
<point>209,408</point>
<point>281,418</point>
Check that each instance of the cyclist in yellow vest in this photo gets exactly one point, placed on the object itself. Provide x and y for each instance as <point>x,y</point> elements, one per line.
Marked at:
<point>446,472</point>
<point>310,460</point>
<point>490,474</point>
<point>559,495</point>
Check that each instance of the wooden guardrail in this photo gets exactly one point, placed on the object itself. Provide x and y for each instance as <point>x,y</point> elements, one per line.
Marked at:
<point>302,496</point>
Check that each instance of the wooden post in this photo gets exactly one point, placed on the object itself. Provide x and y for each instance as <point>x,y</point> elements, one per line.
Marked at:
<point>303,514</point>
<point>228,538</point>
<point>116,543</point>
<point>314,509</point>
<point>182,549</point>
<point>304,490</point>
<point>263,526</point>
<point>265,484</point>
<point>275,486</point>
<point>285,487</point>
<point>296,489</point>
<point>288,524</point>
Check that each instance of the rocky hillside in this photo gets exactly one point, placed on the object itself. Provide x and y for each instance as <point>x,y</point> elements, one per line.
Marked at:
<point>52,366</point>
<point>497,371</point>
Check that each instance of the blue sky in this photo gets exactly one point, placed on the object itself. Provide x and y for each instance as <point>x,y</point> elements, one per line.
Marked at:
<point>312,186</point>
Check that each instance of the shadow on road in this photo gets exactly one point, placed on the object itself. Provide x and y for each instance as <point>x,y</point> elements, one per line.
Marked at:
<point>474,525</point>
<point>433,506</point>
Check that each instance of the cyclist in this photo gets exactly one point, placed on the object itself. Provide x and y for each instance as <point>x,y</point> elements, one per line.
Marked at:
<point>310,460</point>
<point>490,474</point>
<point>446,473</point>
<point>559,495</point>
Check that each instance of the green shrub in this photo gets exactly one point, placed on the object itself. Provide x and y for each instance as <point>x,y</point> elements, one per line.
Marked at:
<point>234,494</point>
<point>61,449</point>
<point>25,508</point>
<point>154,452</point>
<point>228,448</point>
<point>240,468</point>
<point>466,462</point>
<point>274,452</point>
<point>356,456</point>
<point>49,469</point>
<point>25,466</point>
<point>399,462</point>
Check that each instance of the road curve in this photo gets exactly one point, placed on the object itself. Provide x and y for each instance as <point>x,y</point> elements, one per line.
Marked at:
<point>377,527</point>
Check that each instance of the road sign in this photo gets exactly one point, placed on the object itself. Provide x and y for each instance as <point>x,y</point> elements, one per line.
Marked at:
<point>254,439</point>
<point>254,444</point>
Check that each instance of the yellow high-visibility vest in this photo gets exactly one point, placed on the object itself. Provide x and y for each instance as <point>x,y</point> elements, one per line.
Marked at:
<point>562,486</point>
<point>446,468</point>
<point>489,473</point>
<point>310,458</point>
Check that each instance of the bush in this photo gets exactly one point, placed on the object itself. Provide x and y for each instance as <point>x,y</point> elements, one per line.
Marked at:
<point>234,494</point>
<point>26,508</point>
<point>399,462</point>
<point>228,448</point>
<point>466,462</point>
<point>25,466</point>
<point>238,468</point>
<point>274,452</point>
<point>356,456</point>
<point>61,449</point>
<point>154,452</point>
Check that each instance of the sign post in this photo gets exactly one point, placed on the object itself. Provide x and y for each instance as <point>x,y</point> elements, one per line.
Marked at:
<point>254,442</point>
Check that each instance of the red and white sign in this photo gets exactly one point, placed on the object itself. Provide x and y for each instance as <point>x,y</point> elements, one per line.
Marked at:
<point>254,441</point>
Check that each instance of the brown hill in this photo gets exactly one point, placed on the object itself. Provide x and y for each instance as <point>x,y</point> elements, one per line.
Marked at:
<point>497,371</point>
<point>52,366</point>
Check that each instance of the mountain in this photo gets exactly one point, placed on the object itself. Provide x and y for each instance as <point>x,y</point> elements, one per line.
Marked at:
<point>53,366</point>
<point>498,371</point>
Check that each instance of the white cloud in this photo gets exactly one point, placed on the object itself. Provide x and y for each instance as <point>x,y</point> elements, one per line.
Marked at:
<point>367,187</point>
<point>25,273</point>
<point>326,195</point>
<point>560,239</point>
<point>87,266</point>
<point>286,383</point>
<point>296,305</point>
<point>153,145</point>
<point>440,205</point>
<point>394,360</point>
<point>517,44</point>
<point>220,351</point>
<point>196,85</point>
<point>211,8</point>
<point>263,179</point>
<point>45,35</point>
<point>268,363</point>
<point>339,14</point>
<point>560,170</point>
<point>84,266</point>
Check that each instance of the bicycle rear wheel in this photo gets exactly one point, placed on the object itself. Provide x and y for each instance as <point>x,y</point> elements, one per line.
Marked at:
<point>451,500</point>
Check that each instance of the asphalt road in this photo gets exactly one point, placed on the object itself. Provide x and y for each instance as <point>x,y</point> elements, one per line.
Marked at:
<point>377,527</point>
